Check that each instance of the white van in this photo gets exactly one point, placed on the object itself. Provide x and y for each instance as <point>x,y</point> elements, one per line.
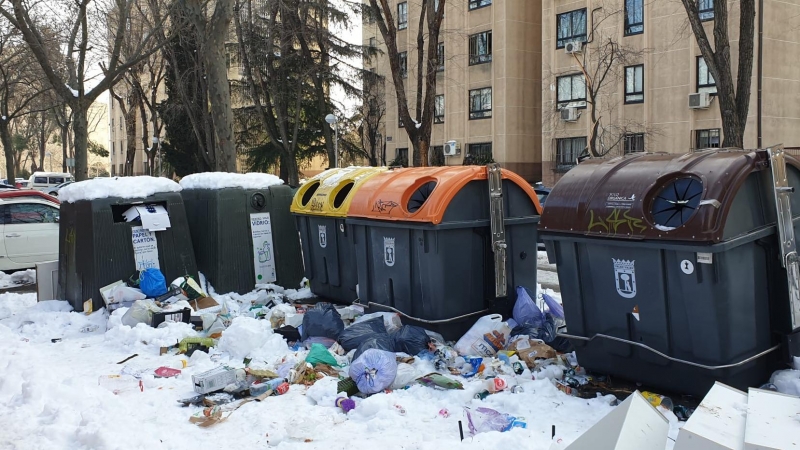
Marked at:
<point>43,181</point>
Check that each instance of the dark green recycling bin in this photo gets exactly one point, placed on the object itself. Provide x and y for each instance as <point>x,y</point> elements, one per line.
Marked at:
<point>671,268</point>
<point>242,231</point>
<point>105,240</point>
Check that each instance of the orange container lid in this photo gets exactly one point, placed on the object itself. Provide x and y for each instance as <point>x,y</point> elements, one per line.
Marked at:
<point>388,195</point>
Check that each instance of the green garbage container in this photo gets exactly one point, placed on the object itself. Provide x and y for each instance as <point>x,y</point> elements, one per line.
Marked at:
<point>671,268</point>
<point>242,230</point>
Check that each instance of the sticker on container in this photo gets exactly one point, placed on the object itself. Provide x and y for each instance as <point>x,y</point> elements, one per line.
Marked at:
<point>705,258</point>
<point>323,235</point>
<point>388,251</point>
<point>145,248</point>
<point>615,200</point>
<point>263,253</point>
<point>625,276</point>
<point>687,267</point>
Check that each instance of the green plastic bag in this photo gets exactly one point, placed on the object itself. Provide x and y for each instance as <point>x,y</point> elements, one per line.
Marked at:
<point>320,355</point>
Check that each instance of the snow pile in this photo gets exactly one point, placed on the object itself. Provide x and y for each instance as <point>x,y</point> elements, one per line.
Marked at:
<point>11,304</point>
<point>17,278</point>
<point>787,382</point>
<point>143,335</point>
<point>49,320</point>
<point>123,187</point>
<point>222,180</point>
<point>254,338</point>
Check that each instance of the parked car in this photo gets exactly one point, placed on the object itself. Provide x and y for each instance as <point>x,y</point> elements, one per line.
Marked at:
<point>21,183</point>
<point>4,186</point>
<point>54,191</point>
<point>29,235</point>
<point>44,181</point>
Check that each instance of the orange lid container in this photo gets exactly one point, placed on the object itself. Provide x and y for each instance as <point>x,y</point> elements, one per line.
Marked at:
<point>421,194</point>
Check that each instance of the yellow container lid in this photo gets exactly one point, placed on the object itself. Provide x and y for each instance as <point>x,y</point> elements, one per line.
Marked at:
<point>331,192</point>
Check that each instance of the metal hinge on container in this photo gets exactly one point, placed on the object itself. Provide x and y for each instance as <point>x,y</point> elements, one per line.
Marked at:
<point>498,227</point>
<point>783,208</point>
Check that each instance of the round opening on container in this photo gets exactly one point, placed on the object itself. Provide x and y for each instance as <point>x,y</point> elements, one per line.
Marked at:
<point>258,201</point>
<point>676,202</point>
<point>420,196</point>
<point>341,196</point>
<point>309,193</point>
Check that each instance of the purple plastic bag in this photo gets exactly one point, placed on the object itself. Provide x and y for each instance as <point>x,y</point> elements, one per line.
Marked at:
<point>374,370</point>
<point>482,420</point>
<point>555,308</point>
<point>525,310</point>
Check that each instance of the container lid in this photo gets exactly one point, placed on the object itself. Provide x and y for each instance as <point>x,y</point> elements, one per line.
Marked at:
<point>421,194</point>
<point>331,192</point>
<point>652,195</point>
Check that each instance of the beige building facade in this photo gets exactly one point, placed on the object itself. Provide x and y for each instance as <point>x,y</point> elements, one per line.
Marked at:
<point>643,103</point>
<point>488,88</point>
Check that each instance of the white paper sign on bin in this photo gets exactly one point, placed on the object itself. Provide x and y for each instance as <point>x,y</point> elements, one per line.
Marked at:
<point>145,248</point>
<point>263,251</point>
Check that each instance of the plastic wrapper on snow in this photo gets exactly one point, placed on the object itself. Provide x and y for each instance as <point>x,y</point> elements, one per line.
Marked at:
<point>787,382</point>
<point>411,340</point>
<point>324,391</point>
<point>482,420</point>
<point>171,334</point>
<point>222,180</point>
<point>374,371</point>
<point>322,321</point>
<point>122,187</point>
<point>390,320</point>
<point>248,337</point>
<point>352,336</point>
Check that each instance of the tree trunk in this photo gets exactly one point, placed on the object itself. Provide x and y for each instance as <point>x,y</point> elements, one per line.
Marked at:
<point>8,149</point>
<point>219,94</point>
<point>80,128</point>
<point>64,139</point>
<point>289,169</point>
<point>43,140</point>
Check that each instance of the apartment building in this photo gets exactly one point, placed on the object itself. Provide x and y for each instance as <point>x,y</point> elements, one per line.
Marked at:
<point>658,94</point>
<point>488,102</point>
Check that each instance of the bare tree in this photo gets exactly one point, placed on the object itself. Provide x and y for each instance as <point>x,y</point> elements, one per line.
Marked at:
<point>733,96</point>
<point>70,71</point>
<point>430,19</point>
<point>373,112</point>
<point>128,106</point>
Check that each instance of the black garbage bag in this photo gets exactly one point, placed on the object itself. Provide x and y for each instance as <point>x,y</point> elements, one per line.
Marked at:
<point>322,321</point>
<point>546,332</point>
<point>410,339</point>
<point>379,341</point>
<point>357,333</point>
<point>290,333</point>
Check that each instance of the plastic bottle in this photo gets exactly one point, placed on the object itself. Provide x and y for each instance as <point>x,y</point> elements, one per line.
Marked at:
<point>120,383</point>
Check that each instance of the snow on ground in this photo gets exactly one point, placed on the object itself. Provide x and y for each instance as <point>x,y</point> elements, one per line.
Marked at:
<point>22,277</point>
<point>50,397</point>
<point>123,187</point>
<point>222,180</point>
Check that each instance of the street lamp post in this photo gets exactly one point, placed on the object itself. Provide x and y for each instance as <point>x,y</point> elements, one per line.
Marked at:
<point>50,156</point>
<point>331,119</point>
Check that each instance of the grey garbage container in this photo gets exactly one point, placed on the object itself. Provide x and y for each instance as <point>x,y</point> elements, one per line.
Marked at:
<point>98,246</point>
<point>425,248</point>
<point>670,267</point>
<point>243,237</point>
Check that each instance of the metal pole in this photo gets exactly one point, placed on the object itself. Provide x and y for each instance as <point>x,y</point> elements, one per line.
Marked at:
<point>336,145</point>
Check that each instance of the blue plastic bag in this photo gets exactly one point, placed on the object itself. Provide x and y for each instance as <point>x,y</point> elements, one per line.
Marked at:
<point>525,310</point>
<point>374,370</point>
<point>152,282</point>
<point>555,308</point>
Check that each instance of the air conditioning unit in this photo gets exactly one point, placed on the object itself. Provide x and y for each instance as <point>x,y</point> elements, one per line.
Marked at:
<point>450,148</point>
<point>573,47</point>
<point>569,114</point>
<point>699,100</point>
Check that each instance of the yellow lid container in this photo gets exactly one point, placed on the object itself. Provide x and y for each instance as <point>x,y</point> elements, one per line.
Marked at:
<point>331,192</point>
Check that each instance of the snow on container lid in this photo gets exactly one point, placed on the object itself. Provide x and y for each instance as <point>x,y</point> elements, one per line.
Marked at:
<point>422,194</point>
<point>330,193</point>
<point>122,187</point>
<point>222,180</point>
<point>654,195</point>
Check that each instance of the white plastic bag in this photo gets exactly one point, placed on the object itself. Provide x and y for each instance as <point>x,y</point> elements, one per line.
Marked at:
<point>124,293</point>
<point>488,336</point>
<point>140,312</point>
<point>406,374</point>
<point>390,320</point>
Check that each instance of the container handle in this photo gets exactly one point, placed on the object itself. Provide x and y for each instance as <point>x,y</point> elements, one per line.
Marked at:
<point>452,319</point>
<point>665,356</point>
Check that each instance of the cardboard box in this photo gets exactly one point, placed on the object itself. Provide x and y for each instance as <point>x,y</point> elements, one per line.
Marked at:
<point>203,303</point>
<point>529,350</point>
<point>213,380</point>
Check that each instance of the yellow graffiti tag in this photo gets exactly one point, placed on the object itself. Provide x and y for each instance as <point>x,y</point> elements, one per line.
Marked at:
<point>612,223</point>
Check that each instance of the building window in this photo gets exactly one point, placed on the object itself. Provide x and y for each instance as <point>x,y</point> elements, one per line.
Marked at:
<point>571,89</point>
<point>480,48</point>
<point>705,80</point>
<point>401,157</point>
<point>634,143</point>
<point>634,84</point>
<point>571,27</point>
<point>402,16</point>
<point>113,149</point>
<point>707,138</point>
<point>402,61</point>
<point>634,17</point>
<point>438,109</point>
<point>440,57</point>
<point>567,152</point>
<point>480,152</point>
<point>706,9</point>
<point>480,103</point>
<point>113,170</point>
<point>399,117</point>
<point>373,42</point>
<point>475,4</point>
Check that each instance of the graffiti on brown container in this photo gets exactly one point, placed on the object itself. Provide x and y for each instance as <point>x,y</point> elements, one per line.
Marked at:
<point>616,219</point>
